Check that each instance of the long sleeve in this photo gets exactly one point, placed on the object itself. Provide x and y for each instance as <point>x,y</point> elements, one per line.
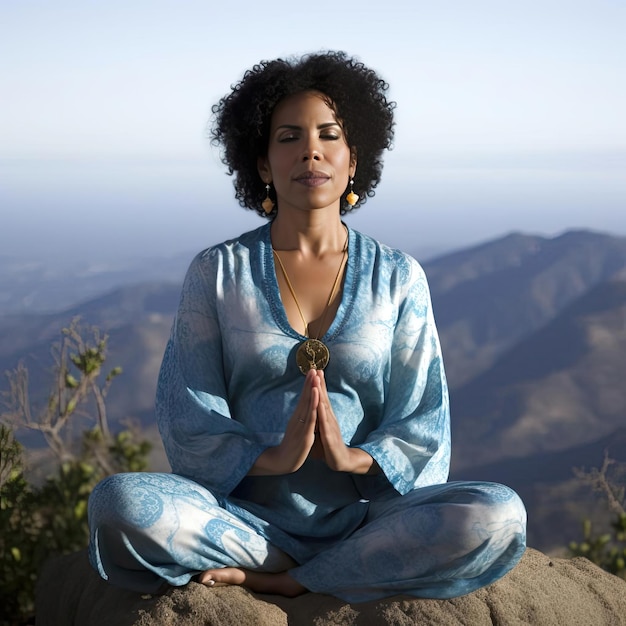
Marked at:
<point>412,442</point>
<point>201,439</point>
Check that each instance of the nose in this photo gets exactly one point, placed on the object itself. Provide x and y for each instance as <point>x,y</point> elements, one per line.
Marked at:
<point>311,151</point>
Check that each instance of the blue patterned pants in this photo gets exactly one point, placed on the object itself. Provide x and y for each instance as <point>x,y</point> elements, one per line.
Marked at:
<point>440,541</point>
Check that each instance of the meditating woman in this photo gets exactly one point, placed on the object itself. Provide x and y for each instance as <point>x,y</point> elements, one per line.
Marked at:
<point>302,399</point>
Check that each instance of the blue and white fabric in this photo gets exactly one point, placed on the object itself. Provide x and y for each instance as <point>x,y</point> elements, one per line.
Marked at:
<point>227,388</point>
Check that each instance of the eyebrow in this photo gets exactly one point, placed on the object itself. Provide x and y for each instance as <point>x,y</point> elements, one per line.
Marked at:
<point>296,127</point>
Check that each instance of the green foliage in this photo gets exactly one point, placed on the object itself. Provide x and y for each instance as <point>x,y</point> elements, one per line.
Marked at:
<point>607,549</point>
<point>38,521</point>
<point>18,547</point>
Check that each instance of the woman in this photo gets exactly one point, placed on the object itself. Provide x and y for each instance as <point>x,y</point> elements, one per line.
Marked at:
<point>302,399</point>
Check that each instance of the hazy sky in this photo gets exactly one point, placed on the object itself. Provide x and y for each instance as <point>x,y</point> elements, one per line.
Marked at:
<point>510,117</point>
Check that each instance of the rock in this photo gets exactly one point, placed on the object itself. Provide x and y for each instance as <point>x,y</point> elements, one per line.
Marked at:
<point>540,590</point>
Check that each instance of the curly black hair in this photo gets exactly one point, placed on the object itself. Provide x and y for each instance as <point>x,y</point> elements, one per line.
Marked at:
<point>241,120</point>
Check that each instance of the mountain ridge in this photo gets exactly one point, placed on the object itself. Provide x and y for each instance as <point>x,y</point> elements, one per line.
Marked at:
<point>483,315</point>
<point>570,374</point>
<point>533,332</point>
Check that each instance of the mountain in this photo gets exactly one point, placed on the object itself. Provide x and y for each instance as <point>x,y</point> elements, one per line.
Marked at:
<point>36,287</point>
<point>533,332</point>
<point>488,298</point>
<point>553,402</point>
<point>137,320</point>
<point>553,390</point>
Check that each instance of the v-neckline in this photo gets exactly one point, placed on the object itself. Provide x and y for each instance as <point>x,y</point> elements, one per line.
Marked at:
<point>276,302</point>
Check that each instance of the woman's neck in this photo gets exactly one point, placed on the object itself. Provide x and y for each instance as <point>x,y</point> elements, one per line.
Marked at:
<point>314,235</point>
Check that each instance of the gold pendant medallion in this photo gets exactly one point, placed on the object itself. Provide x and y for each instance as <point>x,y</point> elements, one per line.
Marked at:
<point>312,354</point>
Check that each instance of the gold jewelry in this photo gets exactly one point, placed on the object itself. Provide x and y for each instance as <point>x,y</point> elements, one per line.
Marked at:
<point>267,204</point>
<point>313,353</point>
<point>352,198</point>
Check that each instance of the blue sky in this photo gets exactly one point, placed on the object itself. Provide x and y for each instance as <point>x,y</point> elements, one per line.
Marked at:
<point>510,117</point>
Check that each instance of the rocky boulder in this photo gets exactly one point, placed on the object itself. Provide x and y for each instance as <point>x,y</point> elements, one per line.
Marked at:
<point>540,590</point>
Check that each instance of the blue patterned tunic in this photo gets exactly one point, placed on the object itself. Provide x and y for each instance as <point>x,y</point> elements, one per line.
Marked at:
<point>227,388</point>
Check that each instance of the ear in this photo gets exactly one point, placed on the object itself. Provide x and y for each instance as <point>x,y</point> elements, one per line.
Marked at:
<point>263,167</point>
<point>352,162</point>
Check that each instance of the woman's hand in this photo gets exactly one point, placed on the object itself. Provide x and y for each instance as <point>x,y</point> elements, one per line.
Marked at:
<point>337,455</point>
<point>290,454</point>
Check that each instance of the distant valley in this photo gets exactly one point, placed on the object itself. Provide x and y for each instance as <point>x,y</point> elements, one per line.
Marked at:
<point>533,332</point>
<point>38,287</point>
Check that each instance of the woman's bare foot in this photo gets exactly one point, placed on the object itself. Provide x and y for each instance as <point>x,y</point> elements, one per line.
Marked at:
<point>259,582</point>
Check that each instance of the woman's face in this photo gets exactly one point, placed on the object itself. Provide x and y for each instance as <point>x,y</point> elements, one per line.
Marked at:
<point>308,160</point>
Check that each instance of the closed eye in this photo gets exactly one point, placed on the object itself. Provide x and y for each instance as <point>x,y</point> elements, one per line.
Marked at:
<point>330,131</point>
<point>287,138</point>
<point>292,137</point>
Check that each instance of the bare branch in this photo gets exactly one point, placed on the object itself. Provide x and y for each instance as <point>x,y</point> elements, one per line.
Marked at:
<point>78,360</point>
<point>600,481</point>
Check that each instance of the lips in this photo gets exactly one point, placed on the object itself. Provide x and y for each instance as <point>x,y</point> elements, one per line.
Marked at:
<point>312,178</point>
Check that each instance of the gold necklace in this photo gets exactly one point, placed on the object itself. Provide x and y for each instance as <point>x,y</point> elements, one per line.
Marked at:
<point>313,353</point>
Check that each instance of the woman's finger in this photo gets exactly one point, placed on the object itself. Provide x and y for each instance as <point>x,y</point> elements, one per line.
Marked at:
<point>304,402</point>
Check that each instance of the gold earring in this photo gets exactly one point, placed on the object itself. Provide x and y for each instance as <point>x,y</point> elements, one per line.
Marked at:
<point>352,198</point>
<point>267,204</point>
